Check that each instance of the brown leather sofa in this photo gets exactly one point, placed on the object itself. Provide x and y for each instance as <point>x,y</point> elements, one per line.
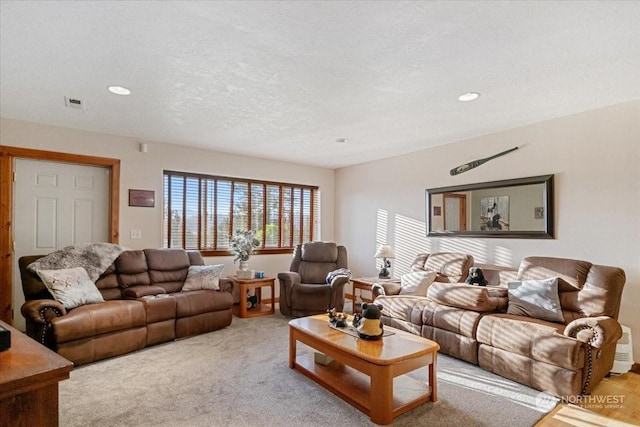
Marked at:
<point>304,289</point>
<point>132,316</point>
<point>471,322</point>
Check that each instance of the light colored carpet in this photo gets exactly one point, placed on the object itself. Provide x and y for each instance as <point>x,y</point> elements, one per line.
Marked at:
<point>239,376</point>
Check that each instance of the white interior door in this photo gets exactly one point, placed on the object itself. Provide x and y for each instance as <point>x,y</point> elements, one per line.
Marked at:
<point>452,213</point>
<point>55,205</point>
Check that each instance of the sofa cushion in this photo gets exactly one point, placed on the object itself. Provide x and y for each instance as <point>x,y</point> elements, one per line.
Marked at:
<point>72,287</point>
<point>533,338</point>
<point>132,269</point>
<point>536,298</point>
<point>168,268</point>
<point>452,319</point>
<point>468,297</point>
<point>203,277</point>
<point>416,283</point>
<point>202,301</point>
<point>96,319</point>
<point>407,308</point>
<point>451,267</point>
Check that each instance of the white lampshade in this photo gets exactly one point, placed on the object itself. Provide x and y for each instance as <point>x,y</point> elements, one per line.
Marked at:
<point>385,251</point>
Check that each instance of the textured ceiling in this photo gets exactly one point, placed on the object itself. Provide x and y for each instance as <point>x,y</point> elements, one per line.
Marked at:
<point>284,80</point>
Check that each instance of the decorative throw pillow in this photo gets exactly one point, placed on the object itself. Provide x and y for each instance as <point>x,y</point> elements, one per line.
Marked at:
<point>72,287</point>
<point>536,298</point>
<point>417,282</point>
<point>203,277</point>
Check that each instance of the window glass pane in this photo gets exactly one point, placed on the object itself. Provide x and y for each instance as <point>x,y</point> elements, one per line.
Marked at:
<point>286,217</point>
<point>192,213</point>
<point>207,226</point>
<point>306,215</point>
<point>165,210</point>
<point>240,206</point>
<point>257,210</point>
<point>273,208</point>
<point>297,197</point>
<point>223,211</point>
<point>177,193</point>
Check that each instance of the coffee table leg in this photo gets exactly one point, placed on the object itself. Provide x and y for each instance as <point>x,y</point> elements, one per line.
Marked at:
<point>381,395</point>
<point>292,348</point>
<point>432,378</point>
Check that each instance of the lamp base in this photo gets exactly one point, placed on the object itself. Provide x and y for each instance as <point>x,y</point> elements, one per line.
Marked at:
<point>384,273</point>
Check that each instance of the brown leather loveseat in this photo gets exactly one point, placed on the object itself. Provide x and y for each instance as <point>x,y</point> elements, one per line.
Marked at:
<point>143,305</point>
<point>565,357</point>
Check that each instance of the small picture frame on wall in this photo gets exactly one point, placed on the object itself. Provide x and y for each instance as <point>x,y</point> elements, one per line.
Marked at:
<point>437,211</point>
<point>142,198</point>
<point>538,213</point>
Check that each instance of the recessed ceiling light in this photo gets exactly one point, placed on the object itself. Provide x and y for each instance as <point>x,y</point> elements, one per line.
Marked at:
<point>119,90</point>
<point>342,140</point>
<point>469,96</point>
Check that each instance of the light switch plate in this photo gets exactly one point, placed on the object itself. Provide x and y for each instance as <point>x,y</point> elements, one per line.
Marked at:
<point>135,234</point>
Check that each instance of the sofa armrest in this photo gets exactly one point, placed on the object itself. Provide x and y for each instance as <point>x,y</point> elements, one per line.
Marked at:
<point>377,290</point>
<point>226,284</point>
<point>42,310</point>
<point>289,278</point>
<point>598,332</point>
<point>385,288</point>
<point>39,314</point>
<point>135,292</point>
<point>338,281</point>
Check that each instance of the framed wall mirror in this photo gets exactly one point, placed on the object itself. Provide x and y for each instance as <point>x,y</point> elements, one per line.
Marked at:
<point>514,208</point>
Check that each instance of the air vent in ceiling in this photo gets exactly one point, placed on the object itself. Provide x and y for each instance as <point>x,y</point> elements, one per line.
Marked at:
<point>76,103</point>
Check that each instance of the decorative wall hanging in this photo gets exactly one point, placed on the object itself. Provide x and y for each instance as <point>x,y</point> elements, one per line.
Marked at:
<point>471,165</point>
<point>142,198</point>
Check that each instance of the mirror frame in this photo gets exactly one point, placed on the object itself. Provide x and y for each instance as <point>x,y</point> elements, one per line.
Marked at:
<point>547,233</point>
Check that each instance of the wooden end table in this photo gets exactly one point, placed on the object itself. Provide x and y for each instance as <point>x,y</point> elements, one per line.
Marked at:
<point>243,287</point>
<point>29,377</point>
<point>365,284</point>
<point>370,375</point>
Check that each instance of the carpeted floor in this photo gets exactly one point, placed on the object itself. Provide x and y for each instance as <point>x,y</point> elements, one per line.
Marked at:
<point>239,376</point>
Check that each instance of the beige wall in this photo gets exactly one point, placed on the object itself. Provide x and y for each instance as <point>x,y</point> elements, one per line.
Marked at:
<point>144,171</point>
<point>595,157</point>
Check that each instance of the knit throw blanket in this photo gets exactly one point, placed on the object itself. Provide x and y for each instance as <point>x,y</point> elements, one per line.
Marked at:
<point>93,257</point>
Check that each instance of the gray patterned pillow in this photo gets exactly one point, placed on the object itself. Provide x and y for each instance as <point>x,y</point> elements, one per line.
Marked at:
<point>72,287</point>
<point>417,282</point>
<point>536,298</point>
<point>203,277</point>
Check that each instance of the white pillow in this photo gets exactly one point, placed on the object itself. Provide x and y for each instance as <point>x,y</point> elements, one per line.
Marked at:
<point>416,283</point>
<point>536,298</point>
<point>72,287</point>
<point>203,277</point>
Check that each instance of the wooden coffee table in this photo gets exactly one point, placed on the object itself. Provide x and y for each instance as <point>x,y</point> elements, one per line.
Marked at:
<point>363,372</point>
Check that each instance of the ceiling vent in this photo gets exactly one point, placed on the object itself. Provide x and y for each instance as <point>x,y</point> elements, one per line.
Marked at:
<point>76,103</point>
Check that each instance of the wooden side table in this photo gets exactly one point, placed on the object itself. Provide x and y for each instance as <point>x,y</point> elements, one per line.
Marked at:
<point>365,284</point>
<point>29,377</point>
<point>262,309</point>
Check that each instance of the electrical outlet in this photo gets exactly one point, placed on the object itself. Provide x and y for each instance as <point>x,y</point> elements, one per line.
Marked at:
<point>135,234</point>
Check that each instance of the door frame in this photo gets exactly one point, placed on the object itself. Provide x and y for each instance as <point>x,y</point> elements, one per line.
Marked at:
<point>7,170</point>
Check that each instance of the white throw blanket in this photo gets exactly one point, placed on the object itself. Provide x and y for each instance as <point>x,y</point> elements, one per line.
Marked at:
<point>93,257</point>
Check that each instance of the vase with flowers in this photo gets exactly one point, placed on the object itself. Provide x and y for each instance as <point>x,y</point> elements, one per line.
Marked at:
<point>243,245</point>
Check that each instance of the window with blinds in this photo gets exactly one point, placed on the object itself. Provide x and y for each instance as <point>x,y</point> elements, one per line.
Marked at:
<point>203,212</point>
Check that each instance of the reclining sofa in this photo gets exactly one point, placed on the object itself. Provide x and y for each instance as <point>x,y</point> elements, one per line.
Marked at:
<point>143,305</point>
<point>473,323</point>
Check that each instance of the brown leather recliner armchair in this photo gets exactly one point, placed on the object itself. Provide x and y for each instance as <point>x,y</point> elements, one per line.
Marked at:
<point>304,289</point>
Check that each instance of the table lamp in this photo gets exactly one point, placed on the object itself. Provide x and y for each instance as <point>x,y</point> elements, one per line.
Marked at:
<point>385,252</point>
